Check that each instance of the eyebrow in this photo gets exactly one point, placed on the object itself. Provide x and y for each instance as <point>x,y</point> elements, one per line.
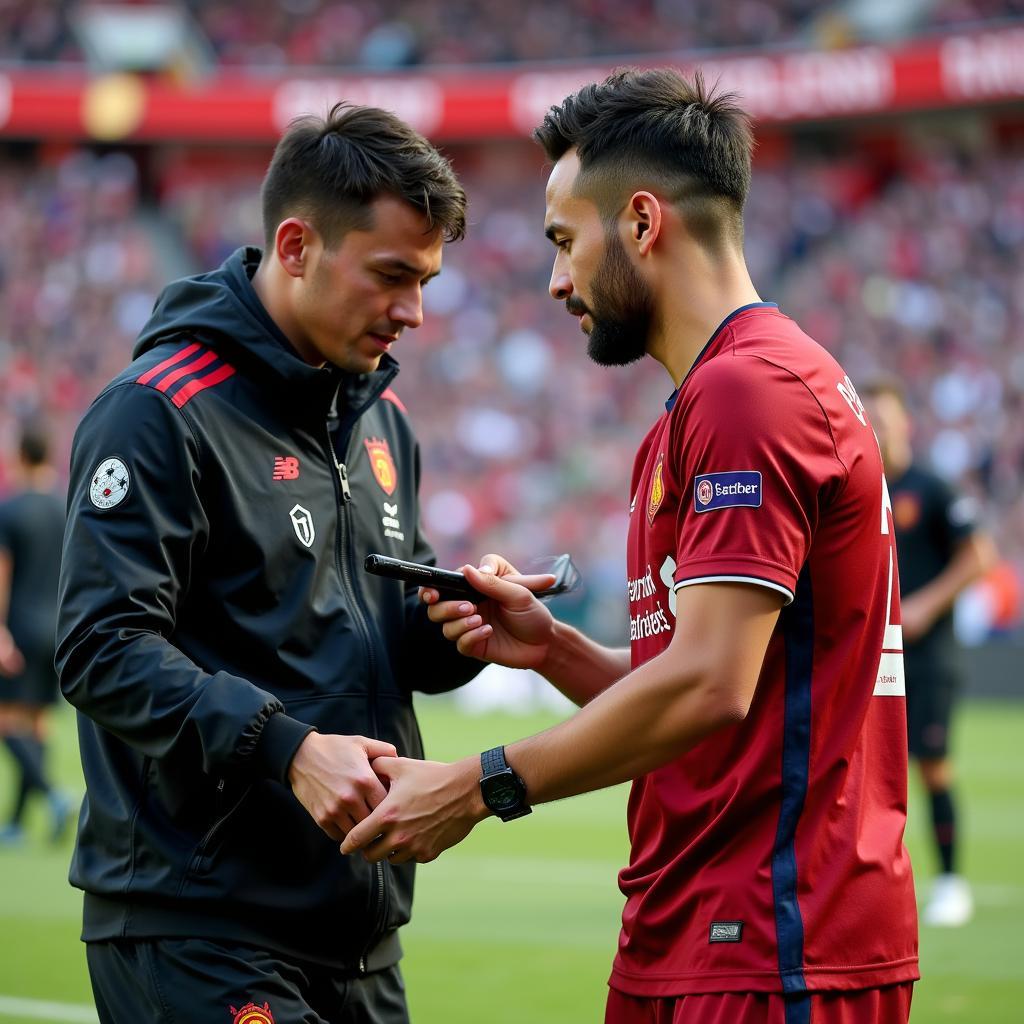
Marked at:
<point>408,268</point>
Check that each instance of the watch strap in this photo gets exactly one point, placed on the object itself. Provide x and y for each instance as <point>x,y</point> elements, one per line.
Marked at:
<point>493,761</point>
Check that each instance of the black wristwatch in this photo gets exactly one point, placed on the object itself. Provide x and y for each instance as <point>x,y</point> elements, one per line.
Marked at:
<point>503,791</point>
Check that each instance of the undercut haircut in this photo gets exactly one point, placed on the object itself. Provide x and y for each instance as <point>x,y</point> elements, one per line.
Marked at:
<point>329,170</point>
<point>655,130</point>
<point>885,384</point>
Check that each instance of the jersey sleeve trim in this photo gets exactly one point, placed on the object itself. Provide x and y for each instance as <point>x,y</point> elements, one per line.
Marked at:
<point>756,580</point>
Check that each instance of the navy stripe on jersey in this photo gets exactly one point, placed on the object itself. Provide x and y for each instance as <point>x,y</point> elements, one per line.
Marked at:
<point>797,622</point>
<point>798,1009</point>
<point>189,371</point>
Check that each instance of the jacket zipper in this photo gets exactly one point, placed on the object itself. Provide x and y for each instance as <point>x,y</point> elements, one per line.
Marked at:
<point>360,617</point>
<point>217,825</point>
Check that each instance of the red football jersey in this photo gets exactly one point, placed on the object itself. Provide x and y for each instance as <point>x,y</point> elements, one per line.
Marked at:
<point>770,857</point>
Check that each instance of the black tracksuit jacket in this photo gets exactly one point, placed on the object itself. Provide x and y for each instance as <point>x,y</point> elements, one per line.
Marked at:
<point>216,610</point>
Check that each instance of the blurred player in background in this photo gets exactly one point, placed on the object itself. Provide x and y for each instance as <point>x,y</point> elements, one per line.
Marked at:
<point>31,527</point>
<point>761,709</point>
<point>233,667</point>
<point>942,551</point>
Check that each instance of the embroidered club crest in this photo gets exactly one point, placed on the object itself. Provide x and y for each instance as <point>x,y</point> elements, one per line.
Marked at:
<point>382,464</point>
<point>657,490</point>
<point>906,511</point>
<point>253,1014</point>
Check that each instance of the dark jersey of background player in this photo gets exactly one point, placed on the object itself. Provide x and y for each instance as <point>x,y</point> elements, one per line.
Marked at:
<point>31,527</point>
<point>931,523</point>
<point>941,551</point>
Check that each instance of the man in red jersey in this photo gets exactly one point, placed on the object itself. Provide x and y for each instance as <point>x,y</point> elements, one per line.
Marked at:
<point>760,710</point>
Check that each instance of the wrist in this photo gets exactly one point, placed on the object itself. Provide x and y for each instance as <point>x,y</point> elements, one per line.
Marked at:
<point>469,784</point>
<point>296,762</point>
<point>558,658</point>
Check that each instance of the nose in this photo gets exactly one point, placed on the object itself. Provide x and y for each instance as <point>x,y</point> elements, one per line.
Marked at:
<point>560,285</point>
<point>408,309</point>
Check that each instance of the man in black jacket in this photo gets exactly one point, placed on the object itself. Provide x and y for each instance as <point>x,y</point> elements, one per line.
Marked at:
<point>234,669</point>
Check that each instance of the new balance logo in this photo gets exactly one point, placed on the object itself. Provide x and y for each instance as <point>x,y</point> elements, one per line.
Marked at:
<point>286,468</point>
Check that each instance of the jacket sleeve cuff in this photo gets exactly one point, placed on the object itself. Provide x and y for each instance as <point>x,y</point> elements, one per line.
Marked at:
<point>279,739</point>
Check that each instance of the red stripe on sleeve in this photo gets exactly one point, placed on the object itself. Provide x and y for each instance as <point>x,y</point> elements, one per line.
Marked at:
<point>183,371</point>
<point>160,367</point>
<point>388,394</point>
<point>193,387</point>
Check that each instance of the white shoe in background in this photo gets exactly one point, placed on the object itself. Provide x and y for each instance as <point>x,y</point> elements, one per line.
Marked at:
<point>950,903</point>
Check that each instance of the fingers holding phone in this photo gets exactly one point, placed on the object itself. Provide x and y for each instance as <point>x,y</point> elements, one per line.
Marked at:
<point>508,626</point>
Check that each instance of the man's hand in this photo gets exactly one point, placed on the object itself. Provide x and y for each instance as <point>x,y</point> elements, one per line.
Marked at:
<point>511,628</point>
<point>332,778</point>
<point>11,660</point>
<point>430,806</point>
<point>917,616</point>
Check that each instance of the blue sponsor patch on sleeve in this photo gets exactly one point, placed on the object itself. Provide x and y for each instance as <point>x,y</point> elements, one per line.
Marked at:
<point>727,490</point>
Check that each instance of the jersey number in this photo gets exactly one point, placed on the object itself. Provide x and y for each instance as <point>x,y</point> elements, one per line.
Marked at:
<point>889,681</point>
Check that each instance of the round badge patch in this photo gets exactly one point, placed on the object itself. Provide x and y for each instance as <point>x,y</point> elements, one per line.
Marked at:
<point>109,484</point>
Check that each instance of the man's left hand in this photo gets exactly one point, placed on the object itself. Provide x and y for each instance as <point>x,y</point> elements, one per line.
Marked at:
<point>430,806</point>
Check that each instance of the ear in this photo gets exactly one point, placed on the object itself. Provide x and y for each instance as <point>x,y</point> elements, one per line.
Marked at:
<point>644,217</point>
<point>292,243</point>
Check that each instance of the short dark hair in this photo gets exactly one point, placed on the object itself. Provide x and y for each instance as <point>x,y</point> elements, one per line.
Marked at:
<point>329,170</point>
<point>884,384</point>
<point>655,128</point>
<point>34,446</point>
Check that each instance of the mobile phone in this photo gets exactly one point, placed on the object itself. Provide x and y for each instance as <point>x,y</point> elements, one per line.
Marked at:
<point>449,582</point>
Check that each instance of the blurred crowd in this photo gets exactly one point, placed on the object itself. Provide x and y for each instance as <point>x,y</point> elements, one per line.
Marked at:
<point>909,267</point>
<point>77,279</point>
<point>268,35</point>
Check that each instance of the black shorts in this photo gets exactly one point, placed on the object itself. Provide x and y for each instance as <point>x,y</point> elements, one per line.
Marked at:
<point>933,683</point>
<point>161,981</point>
<point>36,684</point>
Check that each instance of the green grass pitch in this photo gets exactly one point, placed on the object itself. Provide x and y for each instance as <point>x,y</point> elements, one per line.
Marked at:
<point>519,923</point>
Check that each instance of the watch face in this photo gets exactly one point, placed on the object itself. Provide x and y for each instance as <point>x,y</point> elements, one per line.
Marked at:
<point>502,794</point>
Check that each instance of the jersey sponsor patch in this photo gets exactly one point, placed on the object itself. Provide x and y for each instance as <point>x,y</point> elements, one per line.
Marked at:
<point>109,484</point>
<point>727,490</point>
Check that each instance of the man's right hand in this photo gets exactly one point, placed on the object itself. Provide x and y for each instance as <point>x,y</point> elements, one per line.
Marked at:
<point>511,628</point>
<point>331,777</point>
<point>11,660</point>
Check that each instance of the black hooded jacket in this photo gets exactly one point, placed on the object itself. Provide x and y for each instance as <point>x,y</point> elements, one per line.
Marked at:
<point>214,610</point>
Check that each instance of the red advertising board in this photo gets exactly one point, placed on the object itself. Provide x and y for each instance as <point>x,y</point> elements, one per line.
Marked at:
<point>479,103</point>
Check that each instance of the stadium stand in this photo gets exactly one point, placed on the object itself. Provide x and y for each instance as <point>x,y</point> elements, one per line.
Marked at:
<point>268,35</point>
<point>892,243</point>
<point>906,265</point>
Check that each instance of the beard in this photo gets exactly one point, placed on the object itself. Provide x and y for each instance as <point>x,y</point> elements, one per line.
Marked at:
<point>622,312</point>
